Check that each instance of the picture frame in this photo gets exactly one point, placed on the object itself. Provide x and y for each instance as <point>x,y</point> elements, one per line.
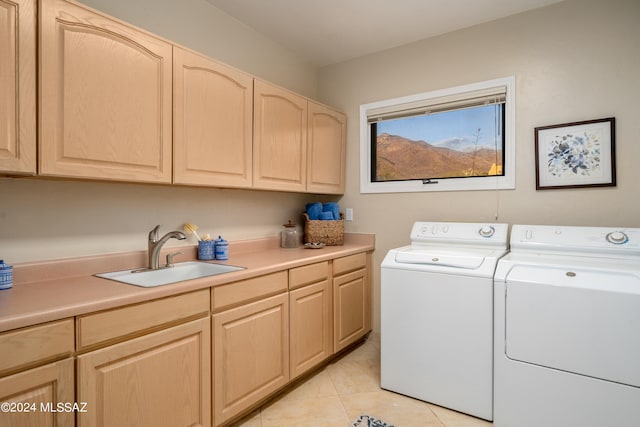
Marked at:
<point>576,155</point>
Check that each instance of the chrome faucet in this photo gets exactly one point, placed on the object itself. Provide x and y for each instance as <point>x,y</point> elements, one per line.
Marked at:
<point>155,245</point>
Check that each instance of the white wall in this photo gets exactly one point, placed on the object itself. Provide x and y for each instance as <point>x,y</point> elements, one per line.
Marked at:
<point>45,219</point>
<point>573,61</point>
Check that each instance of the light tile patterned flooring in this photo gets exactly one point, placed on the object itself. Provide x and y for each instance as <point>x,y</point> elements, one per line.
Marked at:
<point>342,391</point>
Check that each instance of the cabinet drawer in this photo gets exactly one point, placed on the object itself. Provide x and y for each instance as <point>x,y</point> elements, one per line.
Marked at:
<point>225,296</point>
<point>349,263</point>
<point>307,274</point>
<point>28,346</point>
<point>94,329</point>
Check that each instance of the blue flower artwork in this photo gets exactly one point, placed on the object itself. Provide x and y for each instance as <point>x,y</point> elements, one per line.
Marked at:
<point>574,155</point>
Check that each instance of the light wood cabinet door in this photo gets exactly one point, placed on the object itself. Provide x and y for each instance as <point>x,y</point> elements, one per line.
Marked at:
<point>105,97</point>
<point>279,139</point>
<point>326,150</point>
<point>251,354</point>
<point>160,379</point>
<point>351,308</point>
<point>213,113</point>
<point>34,397</point>
<point>18,86</point>
<point>310,323</point>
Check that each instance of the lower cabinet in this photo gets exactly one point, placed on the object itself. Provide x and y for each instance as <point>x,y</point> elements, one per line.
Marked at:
<point>159,379</point>
<point>37,375</point>
<point>42,396</point>
<point>251,354</point>
<point>170,362</point>
<point>262,342</point>
<point>310,318</point>
<point>310,327</point>
<point>351,299</point>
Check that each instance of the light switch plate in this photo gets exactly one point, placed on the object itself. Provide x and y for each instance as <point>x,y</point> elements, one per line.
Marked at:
<point>348,214</point>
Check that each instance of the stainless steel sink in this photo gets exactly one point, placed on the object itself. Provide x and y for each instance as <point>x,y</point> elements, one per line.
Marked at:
<point>163,276</point>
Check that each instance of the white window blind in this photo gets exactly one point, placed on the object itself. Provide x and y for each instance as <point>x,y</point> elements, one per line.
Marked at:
<point>489,96</point>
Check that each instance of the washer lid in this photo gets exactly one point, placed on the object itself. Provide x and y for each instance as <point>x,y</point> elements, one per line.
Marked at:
<point>439,258</point>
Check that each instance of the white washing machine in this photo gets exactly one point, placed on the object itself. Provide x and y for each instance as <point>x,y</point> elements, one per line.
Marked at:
<point>567,328</point>
<point>437,315</point>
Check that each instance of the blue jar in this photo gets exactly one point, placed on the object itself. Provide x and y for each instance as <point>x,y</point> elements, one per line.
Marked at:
<point>6,275</point>
<point>206,249</point>
<point>222,249</point>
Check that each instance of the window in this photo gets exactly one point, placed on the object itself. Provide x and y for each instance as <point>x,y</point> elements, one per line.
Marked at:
<point>460,138</point>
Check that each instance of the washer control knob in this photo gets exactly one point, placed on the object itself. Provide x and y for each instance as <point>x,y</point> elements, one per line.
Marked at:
<point>617,237</point>
<point>487,231</point>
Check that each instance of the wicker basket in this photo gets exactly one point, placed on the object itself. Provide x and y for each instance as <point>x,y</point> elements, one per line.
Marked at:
<point>329,232</point>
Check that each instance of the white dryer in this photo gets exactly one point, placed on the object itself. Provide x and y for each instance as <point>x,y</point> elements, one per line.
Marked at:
<point>567,328</point>
<point>437,315</point>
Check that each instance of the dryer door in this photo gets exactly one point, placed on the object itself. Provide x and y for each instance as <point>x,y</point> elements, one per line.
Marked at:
<point>586,322</point>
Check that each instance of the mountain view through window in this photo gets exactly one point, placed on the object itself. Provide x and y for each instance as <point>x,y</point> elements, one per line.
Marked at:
<point>451,144</point>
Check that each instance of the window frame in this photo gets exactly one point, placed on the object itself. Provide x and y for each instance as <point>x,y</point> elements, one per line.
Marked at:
<point>503,182</point>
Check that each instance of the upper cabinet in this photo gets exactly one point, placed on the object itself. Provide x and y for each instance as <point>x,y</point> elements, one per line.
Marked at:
<point>118,103</point>
<point>18,86</point>
<point>326,149</point>
<point>298,145</point>
<point>279,139</point>
<point>213,112</point>
<point>105,97</point>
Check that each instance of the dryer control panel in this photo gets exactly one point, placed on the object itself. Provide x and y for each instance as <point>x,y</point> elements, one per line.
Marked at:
<point>569,239</point>
<point>488,234</point>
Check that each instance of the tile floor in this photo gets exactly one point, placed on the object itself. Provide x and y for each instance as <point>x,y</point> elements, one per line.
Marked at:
<point>342,391</point>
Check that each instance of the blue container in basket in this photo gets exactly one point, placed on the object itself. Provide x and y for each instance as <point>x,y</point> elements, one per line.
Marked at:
<point>206,249</point>
<point>6,275</point>
<point>332,207</point>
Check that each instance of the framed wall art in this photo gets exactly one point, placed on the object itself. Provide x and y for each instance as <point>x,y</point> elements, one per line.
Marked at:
<point>575,155</point>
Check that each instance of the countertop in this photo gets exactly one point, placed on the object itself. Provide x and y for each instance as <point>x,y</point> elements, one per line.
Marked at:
<point>52,290</point>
